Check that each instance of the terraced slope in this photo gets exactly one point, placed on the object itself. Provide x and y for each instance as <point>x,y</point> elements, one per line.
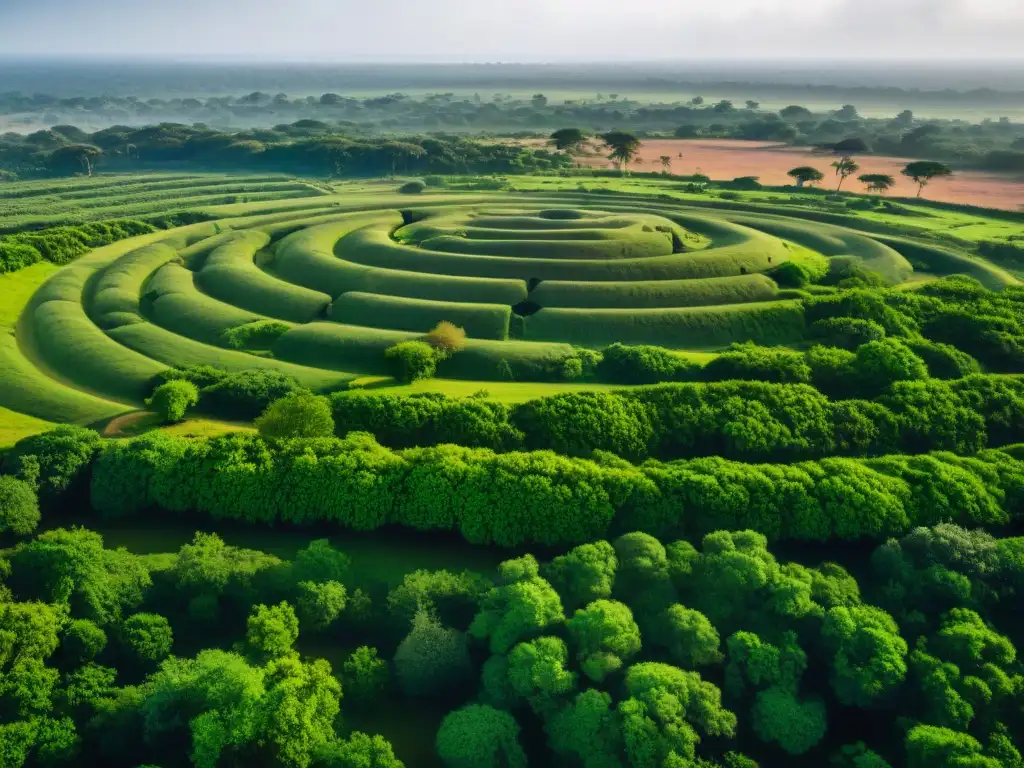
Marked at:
<point>346,276</point>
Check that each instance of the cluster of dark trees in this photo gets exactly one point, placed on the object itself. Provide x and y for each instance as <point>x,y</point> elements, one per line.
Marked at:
<point>309,147</point>
<point>633,653</point>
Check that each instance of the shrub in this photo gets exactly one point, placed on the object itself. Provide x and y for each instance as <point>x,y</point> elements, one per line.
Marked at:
<point>432,659</point>
<point>364,676</point>
<point>320,603</point>
<point>751,362</point>
<point>944,361</point>
<point>172,400</point>
<point>446,339</point>
<point>149,636</point>
<point>56,462</point>
<point>15,256</point>
<point>298,414</point>
<point>846,332</point>
<point>411,361</point>
<point>789,274</point>
<point>880,364</point>
<point>259,335</point>
<point>243,396</point>
<point>83,641</point>
<point>480,736</point>
<point>414,187</point>
<point>201,375</point>
<point>622,364</point>
<point>19,507</point>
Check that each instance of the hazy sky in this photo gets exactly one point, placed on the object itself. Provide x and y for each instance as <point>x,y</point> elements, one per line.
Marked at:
<point>513,30</point>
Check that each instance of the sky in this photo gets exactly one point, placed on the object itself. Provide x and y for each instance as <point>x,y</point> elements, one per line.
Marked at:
<point>513,30</point>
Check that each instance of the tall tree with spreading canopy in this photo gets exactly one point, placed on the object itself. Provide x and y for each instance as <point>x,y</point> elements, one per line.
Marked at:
<point>571,140</point>
<point>623,147</point>
<point>923,171</point>
<point>877,182</point>
<point>805,174</point>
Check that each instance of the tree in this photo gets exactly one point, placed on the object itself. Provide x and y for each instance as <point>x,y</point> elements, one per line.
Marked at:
<point>587,729</point>
<point>272,630</point>
<point>879,364</point>
<point>795,112</point>
<point>172,400</point>
<point>690,638</point>
<point>365,676</point>
<point>83,641</point>
<point>877,182</point>
<point>869,660</point>
<point>584,574</point>
<point>571,140</point>
<point>80,156</point>
<point>806,174</point>
<point>929,746</point>
<point>521,606</point>
<point>539,101</point>
<point>359,751</point>
<point>605,636</point>
<point>537,672</point>
<point>411,361</point>
<point>479,736</point>
<point>149,636</point>
<point>923,171</point>
<point>299,414</point>
<point>19,507</point>
<point>845,167</point>
<point>666,164</point>
<point>623,146</point>
<point>752,105</point>
<point>795,725</point>
<point>320,603</point>
<point>432,659</point>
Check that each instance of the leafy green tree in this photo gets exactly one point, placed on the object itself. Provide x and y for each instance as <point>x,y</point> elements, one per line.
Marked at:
<point>877,182</point>
<point>643,578</point>
<point>320,603</point>
<point>148,635</point>
<point>869,661</point>
<point>584,574</point>
<point>587,730</point>
<point>623,147</point>
<point>432,659</point>
<point>569,140</point>
<point>537,672</point>
<point>453,597</point>
<point>923,171</point>
<point>365,676</point>
<point>857,756</point>
<point>605,636</point>
<point>880,364</point>
<point>929,746</point>
<point>272,630</point>
<point>757,665</point>
<point>967,641</point>
<point>845,167</point>
<point>72,568</point>
<point>479,736</point>
<point>318,561</point>
<point>805,174</point>
<point>172,400</point>
<point>57,462</point>
<point>82,641</point>
<point>522,605</point>
<point>690,638</point>
<point>19,507</point>
<point>359,751</point>
<point>411,361</point>
<point>795,725</point>
<point>299,414</point>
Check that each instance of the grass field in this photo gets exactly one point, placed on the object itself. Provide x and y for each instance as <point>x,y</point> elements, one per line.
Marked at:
<point>529,273</point>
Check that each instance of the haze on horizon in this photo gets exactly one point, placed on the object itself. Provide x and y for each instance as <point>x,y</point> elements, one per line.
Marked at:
<point>513,30</point>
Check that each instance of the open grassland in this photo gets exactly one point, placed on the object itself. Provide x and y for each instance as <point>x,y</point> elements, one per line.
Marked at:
<point>532,274</point>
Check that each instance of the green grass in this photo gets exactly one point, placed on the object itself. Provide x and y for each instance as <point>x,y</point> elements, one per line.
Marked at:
<point>480,321</point>
<point>355,272</point>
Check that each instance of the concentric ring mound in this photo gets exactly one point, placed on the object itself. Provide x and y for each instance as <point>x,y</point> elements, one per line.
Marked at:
<point>334,285</point>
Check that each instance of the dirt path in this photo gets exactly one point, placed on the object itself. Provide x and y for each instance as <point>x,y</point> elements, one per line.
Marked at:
<point>726,159</point>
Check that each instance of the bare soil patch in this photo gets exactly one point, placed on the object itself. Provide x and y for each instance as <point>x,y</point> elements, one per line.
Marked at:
<point>727,159</point>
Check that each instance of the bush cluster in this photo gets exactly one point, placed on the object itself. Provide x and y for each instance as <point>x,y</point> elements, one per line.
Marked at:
<point>516,498</point>
<point>743,420</point>
<point>60,245</point>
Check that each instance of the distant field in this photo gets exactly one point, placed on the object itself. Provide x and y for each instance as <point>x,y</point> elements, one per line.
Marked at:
<point>727,159</point>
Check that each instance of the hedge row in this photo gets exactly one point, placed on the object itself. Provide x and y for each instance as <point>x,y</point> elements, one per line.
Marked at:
<point>60,245</point>
<point>540,497</point>
<point>747,420</point>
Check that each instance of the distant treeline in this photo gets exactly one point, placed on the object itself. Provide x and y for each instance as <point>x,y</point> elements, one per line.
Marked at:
<point>305,147</point>
<point>991,144</point>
